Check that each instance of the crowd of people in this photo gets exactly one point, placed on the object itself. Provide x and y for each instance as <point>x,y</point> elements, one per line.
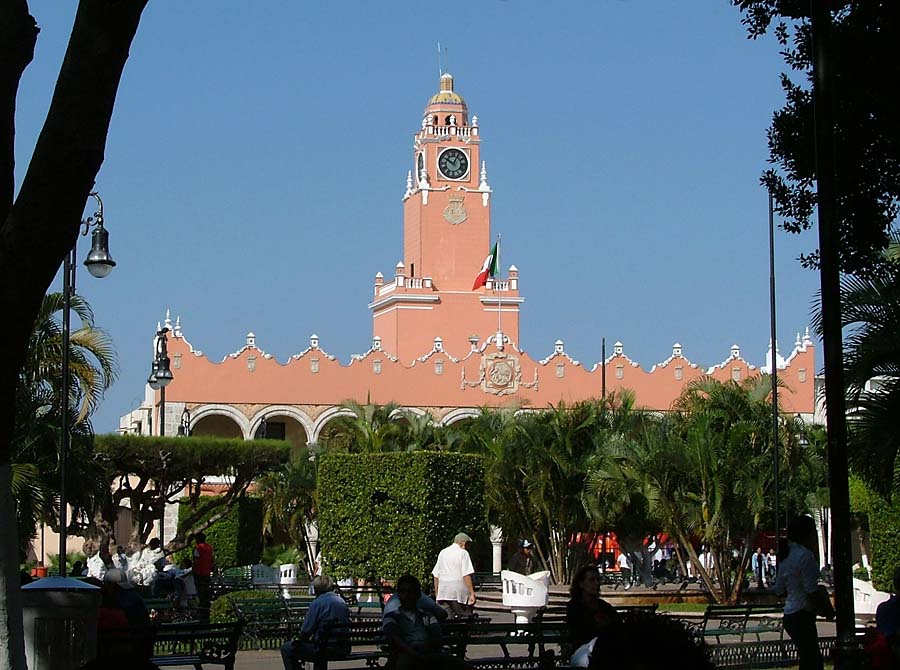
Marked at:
<point>411,618</point>
<point>187,582</point>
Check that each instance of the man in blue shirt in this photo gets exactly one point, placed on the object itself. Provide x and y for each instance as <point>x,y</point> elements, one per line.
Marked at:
<point>327,610</point>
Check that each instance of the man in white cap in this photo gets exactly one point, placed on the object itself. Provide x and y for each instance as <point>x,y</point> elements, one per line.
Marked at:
<point>453,578</point>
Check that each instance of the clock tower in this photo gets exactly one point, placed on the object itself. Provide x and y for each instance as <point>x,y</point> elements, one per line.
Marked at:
<point>430,304</point>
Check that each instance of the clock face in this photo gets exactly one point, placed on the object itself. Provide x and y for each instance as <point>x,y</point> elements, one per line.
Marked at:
<point>453,164</point>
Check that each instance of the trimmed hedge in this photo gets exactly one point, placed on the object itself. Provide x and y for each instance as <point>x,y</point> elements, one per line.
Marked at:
<point>236,538</point>
<point>383,515</point>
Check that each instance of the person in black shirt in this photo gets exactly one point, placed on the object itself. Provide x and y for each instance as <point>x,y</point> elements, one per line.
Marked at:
<point>521,561</point>
<point>590,619</point>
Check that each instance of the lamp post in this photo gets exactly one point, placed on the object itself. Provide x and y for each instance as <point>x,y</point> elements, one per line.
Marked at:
<point>161,375</point>
<point>99,263</point>
<point>184,428</point>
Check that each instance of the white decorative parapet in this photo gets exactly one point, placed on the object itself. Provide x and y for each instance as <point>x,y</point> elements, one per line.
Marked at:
<point>866,598</point>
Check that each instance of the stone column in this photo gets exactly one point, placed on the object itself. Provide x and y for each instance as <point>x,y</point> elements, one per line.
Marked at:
<point>497,546</point>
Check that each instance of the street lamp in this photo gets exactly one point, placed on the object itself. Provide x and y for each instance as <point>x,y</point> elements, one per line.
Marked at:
<point>99,263</point>
<point>161,375</point>
<point>184,428</point>
<point>263,429</point>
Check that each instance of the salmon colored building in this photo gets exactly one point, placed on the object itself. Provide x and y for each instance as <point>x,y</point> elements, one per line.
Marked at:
<point>439,347</point>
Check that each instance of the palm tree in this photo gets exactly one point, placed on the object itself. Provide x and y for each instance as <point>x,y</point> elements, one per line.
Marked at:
<point>289,499</point>
<point>92,360</point>
<point>536,465</point>
<point>370,428</point>
<point>36,435</point>
<point>870,309</point>
<point>726,432</point>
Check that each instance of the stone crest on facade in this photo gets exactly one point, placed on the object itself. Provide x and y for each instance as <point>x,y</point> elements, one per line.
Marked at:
<point>455,212</point>
<point>500,374</point>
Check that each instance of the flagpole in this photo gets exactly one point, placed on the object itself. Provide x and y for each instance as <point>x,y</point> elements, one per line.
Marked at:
<point>499,294</point>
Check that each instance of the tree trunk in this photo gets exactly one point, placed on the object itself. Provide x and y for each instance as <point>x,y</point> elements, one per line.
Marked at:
<point>12,642</point>
<point>41,227</point>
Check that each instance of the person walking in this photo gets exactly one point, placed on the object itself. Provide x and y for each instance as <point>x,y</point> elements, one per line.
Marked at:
<point>798,577</point>
<point>202,570</point>
<point>453,578</point>
<point>624,569</point>
<point>758,563</point>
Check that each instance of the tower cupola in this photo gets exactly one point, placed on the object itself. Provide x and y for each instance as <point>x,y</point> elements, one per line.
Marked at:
<point>447,107</point>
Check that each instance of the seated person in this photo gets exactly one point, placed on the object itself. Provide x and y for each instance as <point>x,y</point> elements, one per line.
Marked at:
<point>413,634</point>
<point>887,619</point>
<point>185,587</point>
<point>327,610</point>
<point>588,616</point>
<point>425,603</point>
<point>636,637</point>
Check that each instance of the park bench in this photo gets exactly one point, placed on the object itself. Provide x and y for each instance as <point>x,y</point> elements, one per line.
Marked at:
<point>486,581</point>
<point>196,644</point>
<point>536,637</point>
<point>364,637</point>
<point>763,619</point>
<point>164,610</point>
<point>737,621</point>
<point>267,621</point>
<point>614,579</point>
<point>232,579</point>
<point>364,599</point>
<point>556,613</point>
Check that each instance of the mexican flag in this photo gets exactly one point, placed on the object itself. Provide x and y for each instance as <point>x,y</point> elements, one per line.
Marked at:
<point>489,269</point>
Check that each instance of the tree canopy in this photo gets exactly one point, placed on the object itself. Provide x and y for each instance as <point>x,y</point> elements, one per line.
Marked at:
<point>863,63</point>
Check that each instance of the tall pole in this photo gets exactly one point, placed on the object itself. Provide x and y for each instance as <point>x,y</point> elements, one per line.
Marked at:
<point>603,367</point>
<point>499,295</point>
<point>68,288</point>
<point>774,370</point>
<point>829,271</point>
<point>162,412</point>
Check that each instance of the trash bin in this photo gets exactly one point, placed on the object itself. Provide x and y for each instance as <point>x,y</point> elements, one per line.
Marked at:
<point>60,616</point>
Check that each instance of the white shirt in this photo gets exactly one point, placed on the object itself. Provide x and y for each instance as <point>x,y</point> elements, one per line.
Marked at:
<point>624,563</point>
<point>453,563</point>
<point>96,567</point>
<point>799,576</point>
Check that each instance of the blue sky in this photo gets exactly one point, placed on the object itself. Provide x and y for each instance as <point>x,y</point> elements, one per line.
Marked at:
<point>258,153</point>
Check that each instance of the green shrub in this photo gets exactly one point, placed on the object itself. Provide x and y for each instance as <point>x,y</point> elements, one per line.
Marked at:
<point>861,573</point>
<point>71,557</point>
<point>388,514</point>
<point>236,538</point>
<point>884,529</point>
<point>279,554</point>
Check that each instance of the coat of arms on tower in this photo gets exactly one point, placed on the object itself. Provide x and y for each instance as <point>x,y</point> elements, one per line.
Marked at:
<point>501,374</point>
<point>455,212</point>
